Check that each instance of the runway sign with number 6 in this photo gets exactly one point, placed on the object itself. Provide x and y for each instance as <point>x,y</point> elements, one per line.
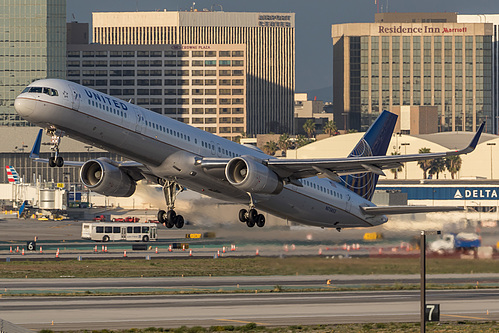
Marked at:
<point>31,246</point>
<point>432,312</point>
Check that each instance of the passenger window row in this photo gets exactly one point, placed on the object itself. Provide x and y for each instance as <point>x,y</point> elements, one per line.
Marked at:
<point>107,108</point>
<point>322,189</point>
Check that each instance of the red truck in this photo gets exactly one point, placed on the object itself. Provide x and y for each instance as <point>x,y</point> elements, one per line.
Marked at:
<point>99,218</point>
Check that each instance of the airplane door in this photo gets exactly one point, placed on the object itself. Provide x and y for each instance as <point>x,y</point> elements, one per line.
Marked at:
<point>213,148</point>
<point>219,150</point>
<point>348,203</point>
<point>76,97</point>
<point>139,120</point>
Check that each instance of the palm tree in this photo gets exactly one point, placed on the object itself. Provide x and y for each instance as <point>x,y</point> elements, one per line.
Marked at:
<point>283,141</point>
<point>453,164</point>
<point>309,127</point>
<point>301,141</point>
<point>425,164</point>
<point>395,171</point>
<point>437,166</point>
<point>270,148</point>
<point>330,128</point>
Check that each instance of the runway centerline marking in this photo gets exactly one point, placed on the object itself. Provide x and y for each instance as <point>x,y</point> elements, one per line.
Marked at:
<point>241,321</point>
<point>467,317</point>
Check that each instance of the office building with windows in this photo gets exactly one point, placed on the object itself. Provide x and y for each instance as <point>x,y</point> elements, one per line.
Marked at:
<point>32,47</point>
<point>201,85</point>
<point>268,41</point>
<point>414,59</point>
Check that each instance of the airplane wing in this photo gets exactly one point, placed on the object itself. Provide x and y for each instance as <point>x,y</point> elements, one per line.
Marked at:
<point>332,168</point>
<point>406,209</point>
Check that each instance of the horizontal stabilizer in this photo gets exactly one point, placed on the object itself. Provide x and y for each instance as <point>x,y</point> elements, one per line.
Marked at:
<point>404,209</point>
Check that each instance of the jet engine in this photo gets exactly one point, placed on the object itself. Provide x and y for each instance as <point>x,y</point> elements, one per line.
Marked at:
<point>249,175</point>
<point>103,177</point>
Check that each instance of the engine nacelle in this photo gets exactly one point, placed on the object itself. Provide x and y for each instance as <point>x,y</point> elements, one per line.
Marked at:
<point>252,176</point>
<point>105,178</point>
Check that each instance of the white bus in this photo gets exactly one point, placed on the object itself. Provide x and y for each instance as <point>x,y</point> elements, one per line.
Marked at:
<point>116,231</point>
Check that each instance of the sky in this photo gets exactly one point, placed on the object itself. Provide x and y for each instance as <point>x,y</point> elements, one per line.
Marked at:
<point>314,47</point>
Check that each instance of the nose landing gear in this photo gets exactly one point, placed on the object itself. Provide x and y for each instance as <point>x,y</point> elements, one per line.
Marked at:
<point>55,160</point>
<point>169,218</point>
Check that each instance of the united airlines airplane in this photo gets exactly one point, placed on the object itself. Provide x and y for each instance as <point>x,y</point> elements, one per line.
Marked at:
<point>332,193</point>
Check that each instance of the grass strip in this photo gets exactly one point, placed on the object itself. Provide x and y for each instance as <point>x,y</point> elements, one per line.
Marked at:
<point>259,266</point>
<point>442,327</point>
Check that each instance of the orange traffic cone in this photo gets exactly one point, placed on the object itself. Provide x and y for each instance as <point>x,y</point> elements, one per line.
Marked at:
<point>169,248</point>
<point>190,253</point>
<point>257,253</point>
<point>124,253</point>
<point>105,248</point>
<point>320,251</point>
<point>22,252</point>
<point>10,249</point>
<point>156,250</point>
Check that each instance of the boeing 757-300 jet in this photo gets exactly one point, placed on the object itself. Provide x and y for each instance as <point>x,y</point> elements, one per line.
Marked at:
<point>329,192</point>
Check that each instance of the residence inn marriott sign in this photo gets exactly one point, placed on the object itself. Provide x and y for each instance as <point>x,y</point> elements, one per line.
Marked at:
<point>388,65</point>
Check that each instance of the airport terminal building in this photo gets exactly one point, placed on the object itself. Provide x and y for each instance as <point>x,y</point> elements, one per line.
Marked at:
<point>268,45</point>
<point>414,59</point>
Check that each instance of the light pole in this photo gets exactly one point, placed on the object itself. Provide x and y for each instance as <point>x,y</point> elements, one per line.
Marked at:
<point>405,144</point>
<point>491,159</point>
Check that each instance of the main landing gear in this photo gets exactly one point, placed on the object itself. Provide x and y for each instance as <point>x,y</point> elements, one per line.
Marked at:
<point>169,218</point>
<point>251,216</point>
<point>55,160</point>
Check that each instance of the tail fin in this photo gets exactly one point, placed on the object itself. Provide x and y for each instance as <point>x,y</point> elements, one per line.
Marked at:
<point>374,143</point>
<point>12,174</point>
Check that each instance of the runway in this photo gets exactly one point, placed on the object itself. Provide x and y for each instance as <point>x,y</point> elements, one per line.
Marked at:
<point>270,309</point>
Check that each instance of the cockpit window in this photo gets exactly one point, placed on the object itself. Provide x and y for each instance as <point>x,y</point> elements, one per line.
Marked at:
<point>35,89</point>
<point>47,91</point>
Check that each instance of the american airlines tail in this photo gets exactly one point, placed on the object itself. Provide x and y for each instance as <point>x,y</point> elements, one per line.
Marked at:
<point>12,174</point>
<point>374,143</point>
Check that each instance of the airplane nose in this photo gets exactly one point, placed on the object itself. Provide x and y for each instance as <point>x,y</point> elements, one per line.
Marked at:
<point>24,107</point>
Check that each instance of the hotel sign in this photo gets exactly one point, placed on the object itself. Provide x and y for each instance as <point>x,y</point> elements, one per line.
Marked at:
<point>274,21</point>
<point>419,30</point>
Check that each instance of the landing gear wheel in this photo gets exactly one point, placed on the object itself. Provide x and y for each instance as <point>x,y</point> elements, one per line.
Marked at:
<point>52,162</point>
<point>162,217</point>
<point>252,215</point>
<point>170,215</point>
<point>179,221</point>
<point>145,238</point>
<point>260,222</point>
<point>59,162</point>
<point>169,224</point>
<point>242,215</point>
<point>250,223</point>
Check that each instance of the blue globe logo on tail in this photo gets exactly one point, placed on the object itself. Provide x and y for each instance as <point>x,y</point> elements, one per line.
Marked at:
<point>374,143</point>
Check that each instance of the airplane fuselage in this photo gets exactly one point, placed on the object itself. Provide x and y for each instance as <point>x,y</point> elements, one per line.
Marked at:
<point>170,149</point>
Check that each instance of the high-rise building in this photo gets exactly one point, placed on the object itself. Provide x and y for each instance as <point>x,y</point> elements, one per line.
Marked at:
<point>268,39</point>
<point>414,59</point>
<point>494,19</point>
<point>200,85</point>
<point>32,47</point>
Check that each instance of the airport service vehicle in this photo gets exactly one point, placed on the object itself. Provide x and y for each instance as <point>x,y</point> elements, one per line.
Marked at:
<point>126,219</point>
<point>99,218</point>
<point>462,241</point>
<point>327,192</point>
<point>116,231</point>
